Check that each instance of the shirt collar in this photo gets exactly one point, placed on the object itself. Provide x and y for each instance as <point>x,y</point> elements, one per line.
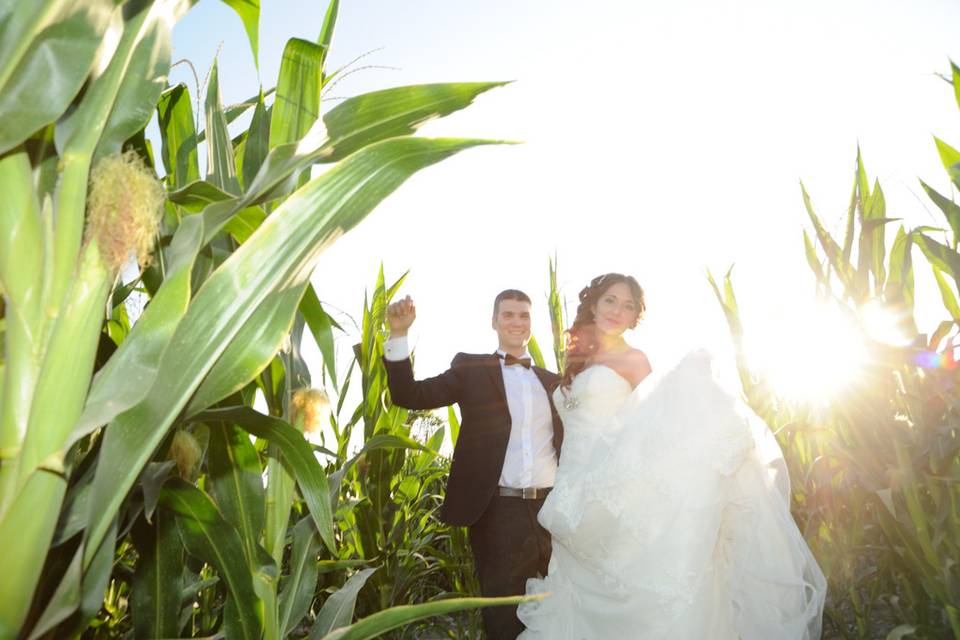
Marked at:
<point>502,354</point>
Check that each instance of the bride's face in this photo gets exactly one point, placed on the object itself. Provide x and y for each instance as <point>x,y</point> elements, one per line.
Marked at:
<point>616,310</point>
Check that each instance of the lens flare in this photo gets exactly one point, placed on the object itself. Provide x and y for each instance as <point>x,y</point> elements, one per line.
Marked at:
<point>884,325</point>
<point>811,355</point>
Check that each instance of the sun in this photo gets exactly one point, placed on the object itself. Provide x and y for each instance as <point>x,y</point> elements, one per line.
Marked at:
<point>815,353</point>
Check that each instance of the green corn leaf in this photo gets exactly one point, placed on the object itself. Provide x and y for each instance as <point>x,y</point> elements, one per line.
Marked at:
<point>950,158</point>
<point>249,12</point>
<point>179,137</point>
<point>26,532</point>
<point>234,480</point>
<point>852,211</point>
<point>900,285</point>
<point>242,225</point>
<point>863,185</point>
<point>297,592</point>
<point>78,590</point>
<point>813,261</point>
<point>557,324</point>
<point>297,104</point>
<point>395,617</point>
<point>265,586</point>
<point>95,580</point>
<point>400,111</point>
<point>155,591</point>
<point>379,442</point>
<point>454,425</point>
<point>873,230</point>
<point>252,350</point>
<point>392,291</point>
<point>843,269</point>
<point>731,311</point>
<point>296,371</point>
<point>44,160</point>
<point>297,456</point>
<point>207,536</point>
<point>239,144</point>
<point>321,327</point>
<point>938,254</point>
<point>901,265</point>
<point>534,348</point>
<point>356,123</point>
<point>221,165</point>
<point>338,609</point>
<point>955,81</point>
<point>152,479</point>
<point>21,275</point>
<point>949,208</point>
<point>947,295</point>
<point>257,143</point>
<point>198,195</point>
<point>326,31</point>
<point>47,50</point>
<point>67,366</point>
<point>122,100</point>
<point>234,111</point>
<point>64,601</point>
<point>73,515</point>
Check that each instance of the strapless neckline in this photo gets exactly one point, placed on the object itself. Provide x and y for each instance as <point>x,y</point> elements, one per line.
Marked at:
<point>608,368</point>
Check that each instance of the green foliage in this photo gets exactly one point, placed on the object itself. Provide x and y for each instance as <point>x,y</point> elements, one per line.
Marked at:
<point>112,526</point>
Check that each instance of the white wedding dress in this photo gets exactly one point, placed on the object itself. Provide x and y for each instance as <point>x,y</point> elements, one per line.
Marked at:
<point>670,518</point>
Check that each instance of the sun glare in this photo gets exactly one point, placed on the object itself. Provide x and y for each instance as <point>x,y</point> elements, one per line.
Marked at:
<point>809,356</point>
<point>883,325</point>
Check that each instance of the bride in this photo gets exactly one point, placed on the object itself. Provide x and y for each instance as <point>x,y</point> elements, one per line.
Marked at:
<point>670,514</point>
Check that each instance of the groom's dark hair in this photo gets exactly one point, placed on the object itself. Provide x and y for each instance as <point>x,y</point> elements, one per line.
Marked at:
<point>509,294</point>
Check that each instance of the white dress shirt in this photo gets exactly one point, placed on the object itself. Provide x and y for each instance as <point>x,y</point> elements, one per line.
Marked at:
<point>530,460</point>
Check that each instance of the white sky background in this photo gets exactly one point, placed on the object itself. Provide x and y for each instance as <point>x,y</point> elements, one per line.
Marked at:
<point>660,139</point>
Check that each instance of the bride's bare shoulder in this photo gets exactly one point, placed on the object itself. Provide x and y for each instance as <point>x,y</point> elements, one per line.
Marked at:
<point>636,366</point>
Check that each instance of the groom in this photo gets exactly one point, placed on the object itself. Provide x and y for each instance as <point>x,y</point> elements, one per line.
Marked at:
<point>505,458</point>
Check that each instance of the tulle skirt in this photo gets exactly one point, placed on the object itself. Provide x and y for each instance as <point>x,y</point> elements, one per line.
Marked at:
<point>671,519</point>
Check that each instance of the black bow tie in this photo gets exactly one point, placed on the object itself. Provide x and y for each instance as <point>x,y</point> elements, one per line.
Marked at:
<point>511,359</point>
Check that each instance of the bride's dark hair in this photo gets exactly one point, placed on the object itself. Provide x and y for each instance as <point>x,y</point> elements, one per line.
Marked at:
<point>582,340</point>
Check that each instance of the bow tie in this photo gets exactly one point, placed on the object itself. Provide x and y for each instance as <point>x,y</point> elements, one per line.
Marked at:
<point>511,359</point>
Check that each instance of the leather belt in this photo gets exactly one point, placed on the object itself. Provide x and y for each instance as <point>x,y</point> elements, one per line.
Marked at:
<point>527,493</point>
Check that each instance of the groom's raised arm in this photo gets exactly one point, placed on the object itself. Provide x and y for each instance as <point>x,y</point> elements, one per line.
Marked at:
<point>405,391</point>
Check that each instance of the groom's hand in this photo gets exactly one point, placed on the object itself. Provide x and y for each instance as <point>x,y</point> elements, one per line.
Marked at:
<point>400,315</point>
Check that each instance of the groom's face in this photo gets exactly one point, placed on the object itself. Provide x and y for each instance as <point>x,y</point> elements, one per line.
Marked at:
<point>512,324</point>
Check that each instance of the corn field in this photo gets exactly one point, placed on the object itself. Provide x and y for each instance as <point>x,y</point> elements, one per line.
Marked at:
<point>876,474</point>
<point>141,493</point>
<point>169,468</point>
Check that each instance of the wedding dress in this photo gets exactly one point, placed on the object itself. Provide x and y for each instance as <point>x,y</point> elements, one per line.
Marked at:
<point>670,518</point>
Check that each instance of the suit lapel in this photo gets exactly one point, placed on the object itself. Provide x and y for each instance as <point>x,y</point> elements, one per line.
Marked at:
<point>544,376</point>
<point>496,377</point>
<point>549,385</point>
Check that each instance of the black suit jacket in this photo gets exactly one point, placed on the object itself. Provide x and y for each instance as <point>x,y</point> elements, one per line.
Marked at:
<point>475,382</point>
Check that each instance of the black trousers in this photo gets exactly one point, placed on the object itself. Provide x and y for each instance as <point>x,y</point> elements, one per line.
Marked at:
<point>509,546</point>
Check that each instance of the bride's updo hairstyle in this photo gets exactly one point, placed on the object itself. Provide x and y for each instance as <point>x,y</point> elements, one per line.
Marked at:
<point>582,340</point>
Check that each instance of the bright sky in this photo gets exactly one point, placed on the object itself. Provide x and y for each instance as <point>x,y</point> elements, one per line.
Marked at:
<point>661,139</point>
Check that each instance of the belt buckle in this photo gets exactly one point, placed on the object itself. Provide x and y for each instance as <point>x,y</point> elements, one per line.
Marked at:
<point>529,493</point>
